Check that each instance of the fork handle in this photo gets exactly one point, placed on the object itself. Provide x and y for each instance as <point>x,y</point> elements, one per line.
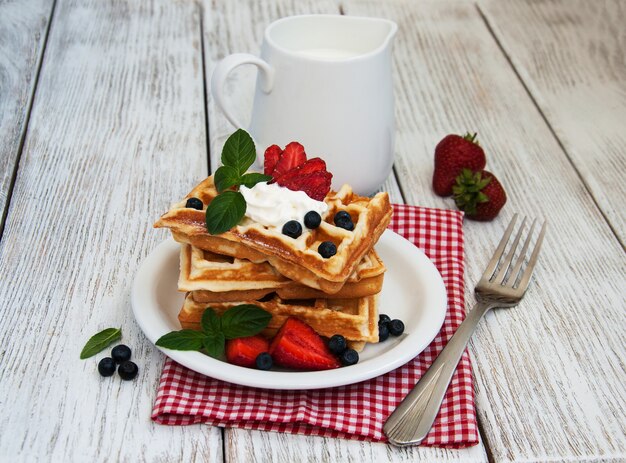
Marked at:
<point>412,419</point>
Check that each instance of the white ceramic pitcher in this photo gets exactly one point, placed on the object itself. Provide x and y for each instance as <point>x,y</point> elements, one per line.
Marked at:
<point>324,81</point>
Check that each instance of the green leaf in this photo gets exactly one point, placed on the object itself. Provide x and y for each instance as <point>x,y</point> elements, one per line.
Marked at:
<point>252,178</point>
<point>214,346</point>
<point>224,212</point>
<point>244,320</point>
<point>239,151</point>
<point>100,341</point>
<point>182,340</point>
<point>226,177</point>
<point>211,324</point>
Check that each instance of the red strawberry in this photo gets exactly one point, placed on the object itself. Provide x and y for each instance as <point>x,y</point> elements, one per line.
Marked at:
<point>272,155</point>
<point>310,166</point>
<point>316,184</point>
<point>453,154</point>
<point>244,351</point>
<point>479,194</point>
<point>298,346</point>
<point>293,155</point>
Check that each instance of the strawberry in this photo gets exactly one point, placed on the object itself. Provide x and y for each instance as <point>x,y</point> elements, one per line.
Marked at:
<point>298,346</point>
<point>293,155</point>
<point>272,155</point>
<point>315,184</point>
<point>244,351</point>
<point>453,154</point>
<point>479,194</point>
<point>308,167</point>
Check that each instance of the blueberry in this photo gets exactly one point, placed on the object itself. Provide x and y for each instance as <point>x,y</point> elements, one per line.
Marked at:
<point>396,327</point>
<point>127,370</point>
<point>337,344</point>
<point>264,361</point>
<point>384,318</point>
<point>343,220</point>
<point>383,331</point>
<point>327,249</point>
<point>349,357</point>
<point>121,353</point>
<point>312,220</point>
<point>292,229</point>
<point>106,366</point>
<point>194,203</point>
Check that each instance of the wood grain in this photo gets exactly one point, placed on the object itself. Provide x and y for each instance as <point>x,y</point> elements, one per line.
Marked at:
<point>549,374</point>
<point>571,56</point>
<point>116,132</point>
<point>23,27</point>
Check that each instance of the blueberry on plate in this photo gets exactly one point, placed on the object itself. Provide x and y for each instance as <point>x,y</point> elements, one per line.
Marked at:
<point>343,220</point>
<point>106,366</point>
<point>127,370</point>
<point>327,249</point>
<point>337,344</point>
<point>396,327</point>
<point>384,318</point>
<point>312,220</point>
<point>121,353</point>
<point>349,357</point>
<point>264,361</point>
<point>194,203</point>
<point>292,229</point>
<point>383,331</point>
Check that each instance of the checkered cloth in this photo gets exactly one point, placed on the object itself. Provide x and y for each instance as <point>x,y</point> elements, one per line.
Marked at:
<point>357,411</point>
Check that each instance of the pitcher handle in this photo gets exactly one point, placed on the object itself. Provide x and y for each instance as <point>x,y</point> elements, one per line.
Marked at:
<point>225,66</point>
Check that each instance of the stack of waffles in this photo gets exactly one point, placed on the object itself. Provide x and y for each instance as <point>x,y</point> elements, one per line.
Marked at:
<point>255,264</point>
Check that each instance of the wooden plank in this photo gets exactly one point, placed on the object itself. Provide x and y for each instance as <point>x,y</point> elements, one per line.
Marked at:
<point>238,26</point>
<point>116,132</point>
<point>549,375</point>
<point>570,55</point>
<point>23,27</point>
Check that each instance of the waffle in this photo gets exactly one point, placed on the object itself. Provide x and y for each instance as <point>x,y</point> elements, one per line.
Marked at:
<point>216,278</point>
<point>297,259</point>
<point>355,319</point>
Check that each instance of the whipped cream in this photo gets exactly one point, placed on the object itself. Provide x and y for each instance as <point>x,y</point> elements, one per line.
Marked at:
<point>273,205</point>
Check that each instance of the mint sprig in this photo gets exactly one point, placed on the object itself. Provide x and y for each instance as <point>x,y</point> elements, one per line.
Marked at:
<point>237,322</point>
<point>238,155</point>
<point>99,341</point>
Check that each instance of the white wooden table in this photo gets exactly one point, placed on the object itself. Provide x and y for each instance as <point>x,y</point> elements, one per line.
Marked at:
<point>105,119</point>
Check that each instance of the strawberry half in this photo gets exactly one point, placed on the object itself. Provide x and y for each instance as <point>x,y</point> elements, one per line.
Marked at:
<point>293,155</point>
<point>316,185</point>
<point>298,346</point>
<point>308,167</point>
<point>244,351</point>
<point>271,157</point>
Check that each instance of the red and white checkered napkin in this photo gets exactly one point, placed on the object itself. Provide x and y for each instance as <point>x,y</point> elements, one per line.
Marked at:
<point>357,411</point>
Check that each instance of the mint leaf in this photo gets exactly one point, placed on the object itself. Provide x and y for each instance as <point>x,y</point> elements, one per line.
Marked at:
<point>239,151</point>
<point>182,340</point>
<point>211,324</point>
<point>100,341</point>
<point>244,320</point>
<point>214,346</point>
<point>252,178</point>
<point>224,212</point>
<point>226,177</point>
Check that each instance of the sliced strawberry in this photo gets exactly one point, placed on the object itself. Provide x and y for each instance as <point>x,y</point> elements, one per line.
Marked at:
<point>298,346</point>
<point>316,184</point>
<point>272,155</point>
<point>308,167</point>
<point>244,351</point>
<point>293,155</point>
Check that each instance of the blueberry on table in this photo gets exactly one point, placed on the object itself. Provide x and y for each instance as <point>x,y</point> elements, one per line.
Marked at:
<point>106,366</point>
<point>194,203</point>
<point>349,357</point>
<point>292,229</point>
<point>121,353</point>
<point>312,220</point>
<point>396,327</point>
<point>384,318</point>
<point>337,344</point>
<point>343,220</point>
<point>327,249</point>
<point>127,370</point>
<point>264,361</point>
<point>383,331</point>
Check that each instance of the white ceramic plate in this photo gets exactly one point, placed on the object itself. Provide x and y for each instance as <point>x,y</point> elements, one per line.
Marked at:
<point>413,291</point>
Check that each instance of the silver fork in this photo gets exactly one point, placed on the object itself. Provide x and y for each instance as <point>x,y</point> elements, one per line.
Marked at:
<point>499,286</point>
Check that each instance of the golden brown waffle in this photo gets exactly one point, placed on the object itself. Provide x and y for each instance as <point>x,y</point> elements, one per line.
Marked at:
<point>297,259</point>
<point>214,278</point>
<point>355,319</point>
